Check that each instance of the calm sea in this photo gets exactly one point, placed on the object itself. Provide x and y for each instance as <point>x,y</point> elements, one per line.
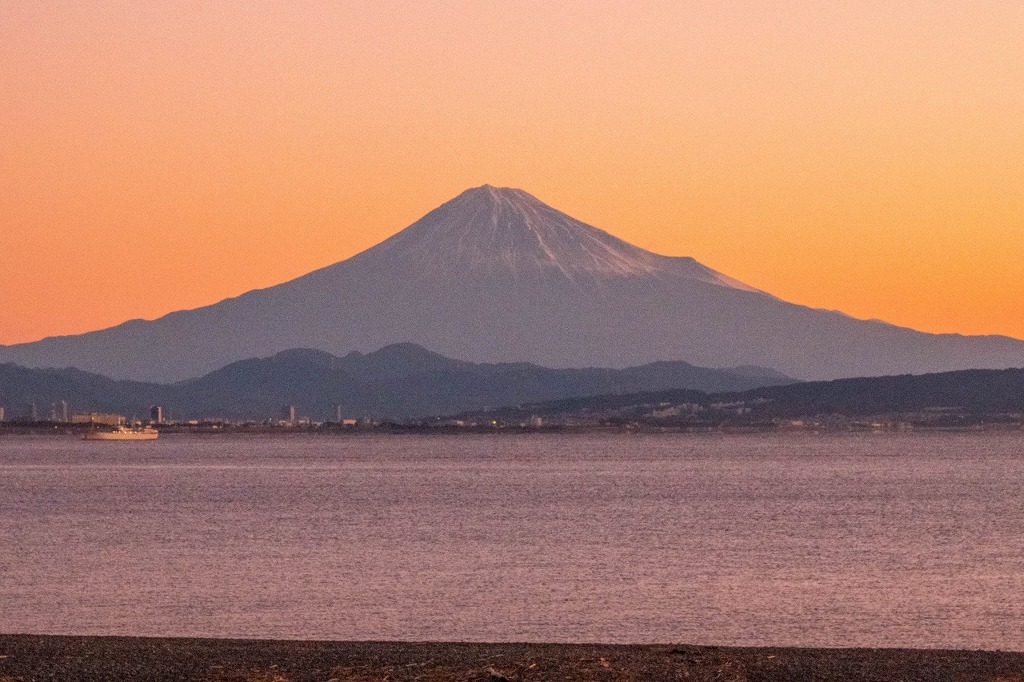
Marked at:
<point>862,540</point>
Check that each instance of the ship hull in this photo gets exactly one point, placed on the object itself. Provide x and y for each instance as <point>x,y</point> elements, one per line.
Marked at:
<point>120,435</point>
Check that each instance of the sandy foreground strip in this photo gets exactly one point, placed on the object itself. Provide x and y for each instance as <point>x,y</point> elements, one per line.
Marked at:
<point>31,658</point>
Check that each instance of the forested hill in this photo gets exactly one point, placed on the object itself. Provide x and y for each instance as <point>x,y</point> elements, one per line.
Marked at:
<point>970,392</point>
<point>400,381</point>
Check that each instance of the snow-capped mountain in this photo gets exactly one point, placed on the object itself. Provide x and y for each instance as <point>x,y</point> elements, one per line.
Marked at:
<point>509,233</point>
<point>494,275</point>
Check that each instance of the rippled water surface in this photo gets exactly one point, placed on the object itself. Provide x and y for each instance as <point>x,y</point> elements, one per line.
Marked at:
<point>908,540</point>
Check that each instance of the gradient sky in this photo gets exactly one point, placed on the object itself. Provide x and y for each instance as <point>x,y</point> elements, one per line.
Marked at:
<point>863,156</point>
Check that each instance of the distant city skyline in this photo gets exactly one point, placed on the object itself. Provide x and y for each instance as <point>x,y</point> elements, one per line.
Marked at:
<point>863,157</point>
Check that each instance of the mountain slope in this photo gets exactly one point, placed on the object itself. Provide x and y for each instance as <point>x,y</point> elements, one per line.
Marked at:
<point>982,392</point>
<point>401,381</point>
<point>495,275</point>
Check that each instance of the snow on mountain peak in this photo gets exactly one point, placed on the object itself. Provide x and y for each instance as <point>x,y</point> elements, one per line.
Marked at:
<point>489,228</point>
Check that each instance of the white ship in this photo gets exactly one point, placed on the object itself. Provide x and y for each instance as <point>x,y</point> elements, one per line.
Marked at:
<point>122,433</point>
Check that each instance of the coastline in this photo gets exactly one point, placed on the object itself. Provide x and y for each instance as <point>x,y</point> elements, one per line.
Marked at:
<point>9,430</point>
<point>27,658</point>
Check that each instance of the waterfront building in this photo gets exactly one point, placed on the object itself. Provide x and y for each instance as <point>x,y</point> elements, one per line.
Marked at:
<point>101,418</point>
<point>61,411</point>
<point>156,414</point>
<point>288,414</point>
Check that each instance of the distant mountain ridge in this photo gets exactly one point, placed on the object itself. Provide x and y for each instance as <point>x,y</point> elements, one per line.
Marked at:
<point>398,381</point>
<point>969,392</point>
<point>495,275</point>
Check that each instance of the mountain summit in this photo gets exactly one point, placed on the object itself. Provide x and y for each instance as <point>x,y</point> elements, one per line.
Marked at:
<point>495,275</point>
<point>508,232</point>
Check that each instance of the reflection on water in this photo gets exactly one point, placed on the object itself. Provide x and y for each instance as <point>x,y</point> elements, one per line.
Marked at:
<point>909,540</point>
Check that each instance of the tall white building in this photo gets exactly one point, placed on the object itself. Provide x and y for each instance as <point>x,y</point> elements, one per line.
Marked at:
<point>61,411</point>
<point>288,414</point>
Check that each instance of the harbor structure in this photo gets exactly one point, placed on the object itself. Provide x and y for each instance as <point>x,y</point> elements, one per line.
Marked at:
<point>98,418</point>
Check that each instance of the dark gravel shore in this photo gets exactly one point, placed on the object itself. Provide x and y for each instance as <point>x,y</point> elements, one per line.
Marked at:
<point>28,658</point>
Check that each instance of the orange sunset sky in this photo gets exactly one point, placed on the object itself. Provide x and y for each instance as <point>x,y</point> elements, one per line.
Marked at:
<point>863,156</point>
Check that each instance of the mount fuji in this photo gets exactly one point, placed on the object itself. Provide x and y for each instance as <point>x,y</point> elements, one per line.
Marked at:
<point>495,275</point>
